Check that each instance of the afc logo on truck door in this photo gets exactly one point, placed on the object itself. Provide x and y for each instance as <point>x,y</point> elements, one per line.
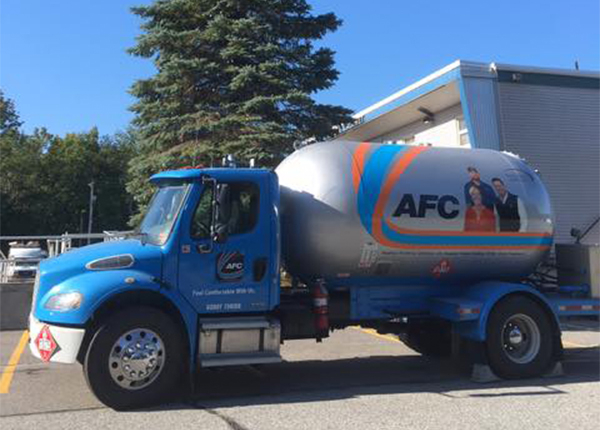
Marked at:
<point>230,266</point>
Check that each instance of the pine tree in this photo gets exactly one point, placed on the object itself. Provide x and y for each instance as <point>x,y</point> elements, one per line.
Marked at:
<point>233,76</point>
<point>9,118</point>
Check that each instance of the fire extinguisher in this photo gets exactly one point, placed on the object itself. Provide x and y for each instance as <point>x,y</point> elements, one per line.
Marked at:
<point>321,309</point>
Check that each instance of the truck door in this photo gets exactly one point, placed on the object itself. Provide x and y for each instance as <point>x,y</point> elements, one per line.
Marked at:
<point>228,275</point>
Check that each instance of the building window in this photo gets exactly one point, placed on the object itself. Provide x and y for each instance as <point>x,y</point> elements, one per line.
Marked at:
<point>463,133</point>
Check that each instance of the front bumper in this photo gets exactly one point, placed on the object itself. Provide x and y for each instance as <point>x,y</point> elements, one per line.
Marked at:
<point>54,343</point>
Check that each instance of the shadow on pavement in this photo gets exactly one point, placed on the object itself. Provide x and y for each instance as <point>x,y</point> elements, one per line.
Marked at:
<point>318,381</point>
<point>578,324</point>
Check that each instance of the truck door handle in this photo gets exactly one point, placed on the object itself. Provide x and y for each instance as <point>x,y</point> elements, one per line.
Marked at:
<point>259,269</point>
<point>204,248</point>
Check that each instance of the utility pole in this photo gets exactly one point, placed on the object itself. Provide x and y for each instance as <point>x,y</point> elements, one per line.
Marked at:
<point>81,214</point>
<point>91,211</point>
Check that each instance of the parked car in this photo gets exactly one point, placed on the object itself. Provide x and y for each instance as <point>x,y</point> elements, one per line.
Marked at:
<point>24,259</point>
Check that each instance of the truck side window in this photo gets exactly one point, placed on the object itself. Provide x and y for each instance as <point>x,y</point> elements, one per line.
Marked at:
<point>202,218</point>
<point>244,207</point>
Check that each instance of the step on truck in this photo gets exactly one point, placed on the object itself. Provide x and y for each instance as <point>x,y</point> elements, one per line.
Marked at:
<point>435,245</point>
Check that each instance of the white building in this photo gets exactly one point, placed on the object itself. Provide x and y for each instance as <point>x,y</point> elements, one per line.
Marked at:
<point>550,117</point>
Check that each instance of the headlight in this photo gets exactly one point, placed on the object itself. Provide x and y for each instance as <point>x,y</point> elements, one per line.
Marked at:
<point>111,263</point>
<point>64,302</point>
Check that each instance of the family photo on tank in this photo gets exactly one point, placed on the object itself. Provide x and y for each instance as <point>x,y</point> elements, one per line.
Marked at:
<point>493,207</point>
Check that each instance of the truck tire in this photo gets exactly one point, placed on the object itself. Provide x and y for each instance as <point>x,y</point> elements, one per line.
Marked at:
<point>135,358</point>
<point>520,339</point>
<point>431,338</point>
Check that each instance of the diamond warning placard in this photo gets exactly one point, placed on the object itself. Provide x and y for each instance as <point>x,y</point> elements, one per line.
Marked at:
<point>45,343</point>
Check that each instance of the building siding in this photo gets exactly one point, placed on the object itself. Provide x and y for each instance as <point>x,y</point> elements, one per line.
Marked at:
<point>481,110</point>
<point>442,132</point>
<point>557,130</point>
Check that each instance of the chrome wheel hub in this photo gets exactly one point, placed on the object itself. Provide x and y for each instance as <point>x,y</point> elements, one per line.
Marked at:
<point>136,359</point>
<point>515,337</point>
<point>521,338</point>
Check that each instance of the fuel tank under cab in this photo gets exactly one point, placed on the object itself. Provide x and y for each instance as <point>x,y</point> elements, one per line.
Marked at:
<point>396,214</point>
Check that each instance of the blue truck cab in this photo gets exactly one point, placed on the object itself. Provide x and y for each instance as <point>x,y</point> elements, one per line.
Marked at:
<point>184,263</point>
<point>199,286</point>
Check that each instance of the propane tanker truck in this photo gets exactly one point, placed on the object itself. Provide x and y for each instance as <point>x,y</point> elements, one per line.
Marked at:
<point>431,244</point>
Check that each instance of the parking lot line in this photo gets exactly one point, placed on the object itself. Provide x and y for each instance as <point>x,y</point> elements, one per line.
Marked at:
<point>566,343</point>
<point>374,333</point>
<point>9,370</point>
<point>569,344</point>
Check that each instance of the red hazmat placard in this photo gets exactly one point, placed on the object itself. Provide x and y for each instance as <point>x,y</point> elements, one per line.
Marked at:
<point>45,343</point>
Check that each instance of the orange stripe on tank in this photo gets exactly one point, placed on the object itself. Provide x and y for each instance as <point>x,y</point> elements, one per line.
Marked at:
<point>397,170</point>
<point>358,166</point>
<point>395,173</point>
<point>396,245</point>
<point>401,230</point>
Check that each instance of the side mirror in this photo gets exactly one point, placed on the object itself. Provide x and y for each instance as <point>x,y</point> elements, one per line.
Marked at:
<point>220,237</point>
<point>223,203</point>
<point>222,213</point>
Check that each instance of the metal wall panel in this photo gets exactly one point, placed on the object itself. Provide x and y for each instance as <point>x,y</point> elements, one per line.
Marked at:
<point>481,112</point>
<point>557,130</point>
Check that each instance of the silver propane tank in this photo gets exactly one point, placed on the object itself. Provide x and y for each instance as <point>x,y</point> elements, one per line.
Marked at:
<point>411,214</point>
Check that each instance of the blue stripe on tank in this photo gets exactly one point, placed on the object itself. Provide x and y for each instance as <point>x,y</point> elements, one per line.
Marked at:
<point>414,239</point>
<point>374,175</point>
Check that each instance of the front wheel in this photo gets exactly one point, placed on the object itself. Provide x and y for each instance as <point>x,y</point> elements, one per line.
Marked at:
<point>135,358</point>
<point>519,339</point>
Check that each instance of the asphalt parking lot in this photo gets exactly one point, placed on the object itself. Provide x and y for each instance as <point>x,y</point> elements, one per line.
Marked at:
<point>354,380</point>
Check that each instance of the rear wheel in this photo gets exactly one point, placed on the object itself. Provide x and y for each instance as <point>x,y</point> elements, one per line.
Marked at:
<point>135,358</point>
<point>519,339</point>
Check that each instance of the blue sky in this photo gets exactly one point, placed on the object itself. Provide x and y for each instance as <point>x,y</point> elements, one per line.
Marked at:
<point>64,61</point>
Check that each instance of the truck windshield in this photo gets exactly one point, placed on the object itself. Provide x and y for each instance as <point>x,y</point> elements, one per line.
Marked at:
<point>162,213</point>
